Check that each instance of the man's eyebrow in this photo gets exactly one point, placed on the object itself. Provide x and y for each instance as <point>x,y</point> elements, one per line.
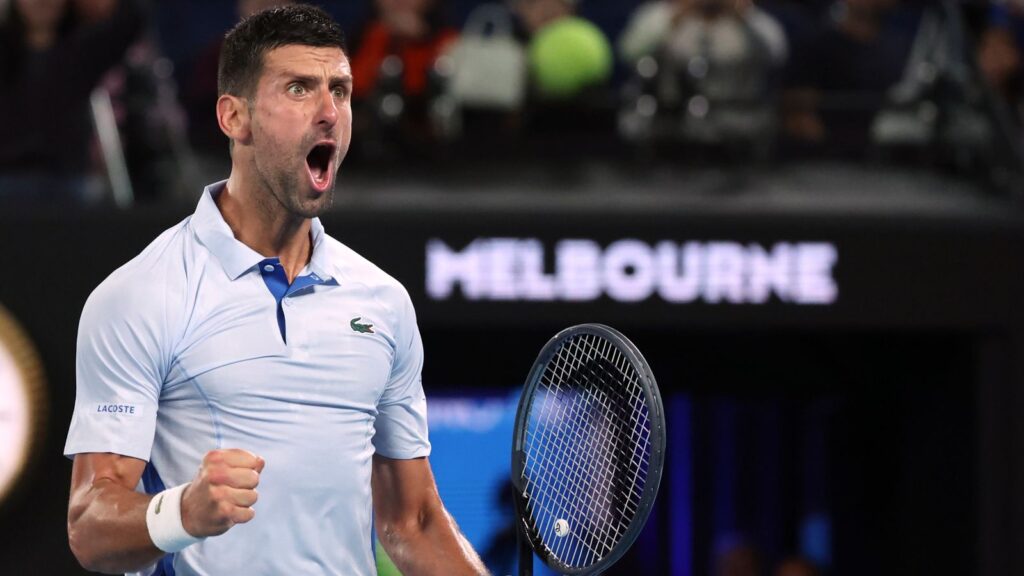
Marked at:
<point>309,79</point>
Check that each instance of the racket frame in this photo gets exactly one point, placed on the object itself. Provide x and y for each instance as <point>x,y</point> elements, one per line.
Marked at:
<point>531,542</point>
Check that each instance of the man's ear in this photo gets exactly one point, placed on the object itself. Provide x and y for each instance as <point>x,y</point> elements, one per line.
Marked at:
<point>233,118</point>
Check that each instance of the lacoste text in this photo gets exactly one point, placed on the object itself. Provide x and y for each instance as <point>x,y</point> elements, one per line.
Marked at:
<point>116,408</point>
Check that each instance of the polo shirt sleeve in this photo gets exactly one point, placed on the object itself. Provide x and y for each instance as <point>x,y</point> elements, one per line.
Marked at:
<point>119,370</point>
<point>401,425</point>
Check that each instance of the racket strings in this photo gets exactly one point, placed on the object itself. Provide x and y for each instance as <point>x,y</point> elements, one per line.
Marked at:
<point>588,445</point>
<point>603,526</point>
<point>600,520</point>
<point>552,486</point>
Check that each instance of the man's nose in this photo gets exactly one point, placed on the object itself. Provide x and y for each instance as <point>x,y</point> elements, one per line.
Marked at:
<point>328,110</point>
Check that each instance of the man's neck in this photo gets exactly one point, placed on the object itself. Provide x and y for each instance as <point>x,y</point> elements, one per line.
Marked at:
<point>261,223</point>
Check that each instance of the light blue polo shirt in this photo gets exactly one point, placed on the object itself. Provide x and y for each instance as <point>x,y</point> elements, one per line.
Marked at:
<point>199,343</point>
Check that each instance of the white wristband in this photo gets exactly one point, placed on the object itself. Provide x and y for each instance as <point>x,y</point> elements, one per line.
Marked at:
<point>163,519</point>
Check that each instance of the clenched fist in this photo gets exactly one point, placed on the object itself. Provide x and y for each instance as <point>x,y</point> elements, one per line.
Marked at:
<point>222,493</point>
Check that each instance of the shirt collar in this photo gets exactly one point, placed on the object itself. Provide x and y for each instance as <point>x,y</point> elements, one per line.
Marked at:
<point>235,257</point>
<point>318,261</point>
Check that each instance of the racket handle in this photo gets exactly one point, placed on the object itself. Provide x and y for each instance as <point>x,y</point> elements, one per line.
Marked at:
<point>525,554</point>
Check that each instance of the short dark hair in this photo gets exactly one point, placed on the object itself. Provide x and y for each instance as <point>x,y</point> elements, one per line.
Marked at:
<point>241,57</point>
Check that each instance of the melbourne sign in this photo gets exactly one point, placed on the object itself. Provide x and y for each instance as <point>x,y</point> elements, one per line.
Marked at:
<point>630,270</point>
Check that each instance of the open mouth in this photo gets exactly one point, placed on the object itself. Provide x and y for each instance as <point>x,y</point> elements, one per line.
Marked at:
<point>319,163</point>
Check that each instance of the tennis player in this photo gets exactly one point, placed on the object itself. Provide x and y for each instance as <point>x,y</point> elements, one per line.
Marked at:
<point>248,388</point>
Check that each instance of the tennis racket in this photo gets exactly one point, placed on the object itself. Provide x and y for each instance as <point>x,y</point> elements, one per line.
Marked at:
<point>587,451</point>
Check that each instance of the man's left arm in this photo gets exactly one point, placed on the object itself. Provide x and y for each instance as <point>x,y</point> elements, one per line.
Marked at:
<point>419,535</point>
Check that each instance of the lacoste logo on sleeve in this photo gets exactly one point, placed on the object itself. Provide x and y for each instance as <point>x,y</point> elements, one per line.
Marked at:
<point>116,409</point>
<point>361,328</point>
<point>159,503</point>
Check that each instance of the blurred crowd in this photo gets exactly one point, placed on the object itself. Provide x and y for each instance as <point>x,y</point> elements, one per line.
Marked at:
<point>113,100</point>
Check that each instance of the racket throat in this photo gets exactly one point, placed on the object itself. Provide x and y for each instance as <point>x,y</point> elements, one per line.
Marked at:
<point>525,550</point>
<point>518,465</point>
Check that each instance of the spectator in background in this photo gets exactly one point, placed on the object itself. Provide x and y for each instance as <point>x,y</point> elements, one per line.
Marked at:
<point>736,557</point>
<point>393,70</point>
<point>567,54</point>
<point>799,18</point>
<point>733,31</point>
<point>839,81</point>
<point>717,59</point>
<point>199,95</point>
<point>999,53</point>
<point>53,53</point>
<point>151,123</point>
<point>413,31</point>
<point>796,566</point>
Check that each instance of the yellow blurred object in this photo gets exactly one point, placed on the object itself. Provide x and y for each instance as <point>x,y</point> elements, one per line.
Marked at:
<point>567,56</point>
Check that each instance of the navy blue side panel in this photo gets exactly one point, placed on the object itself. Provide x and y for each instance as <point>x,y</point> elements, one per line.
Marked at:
<point>165,567</point>
<point>151,480</point>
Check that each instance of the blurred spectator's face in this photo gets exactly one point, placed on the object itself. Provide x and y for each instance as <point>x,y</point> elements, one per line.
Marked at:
<point>708,7</point>
<point>42,14</point>
<point>796,567</point>
<point>536,13</point>
<point>250,7</point>
<point>739,561</point>
<point>406,6</point>
<point>711,6</point>
<point>95,10</point>
<point>869,7</point>
<point>999,57</point>
<point>302,103</point>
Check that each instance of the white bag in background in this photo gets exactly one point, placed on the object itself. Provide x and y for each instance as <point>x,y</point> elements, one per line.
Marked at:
<point>489,69</point>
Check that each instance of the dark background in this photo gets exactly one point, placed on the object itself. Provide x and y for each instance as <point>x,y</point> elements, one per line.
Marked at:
<point>880,434</point>
<point>894,412</point>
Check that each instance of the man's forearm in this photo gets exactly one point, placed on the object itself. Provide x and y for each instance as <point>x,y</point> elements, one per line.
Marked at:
<point>107,529</point>
<point>433,545</point>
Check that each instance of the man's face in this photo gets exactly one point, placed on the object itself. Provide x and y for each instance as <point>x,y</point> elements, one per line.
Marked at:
<point>301,125</point>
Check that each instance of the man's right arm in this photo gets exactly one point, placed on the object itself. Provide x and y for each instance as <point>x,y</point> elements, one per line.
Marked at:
<point>107,519</point>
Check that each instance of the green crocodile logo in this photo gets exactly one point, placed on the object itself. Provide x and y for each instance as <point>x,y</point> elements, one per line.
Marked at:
<point>361,328</point>
<point>159,503</point>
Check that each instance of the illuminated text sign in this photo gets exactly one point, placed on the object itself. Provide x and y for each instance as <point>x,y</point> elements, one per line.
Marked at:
<point>628,270</point>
